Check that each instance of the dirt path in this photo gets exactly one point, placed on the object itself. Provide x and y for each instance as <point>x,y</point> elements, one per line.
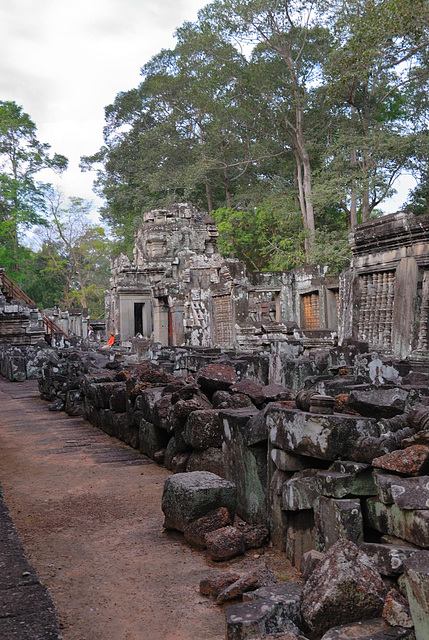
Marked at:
<point>88,511</point>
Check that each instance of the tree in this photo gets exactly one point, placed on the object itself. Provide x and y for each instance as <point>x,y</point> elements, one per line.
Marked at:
<point>76,252</point>
<point>22,156</point>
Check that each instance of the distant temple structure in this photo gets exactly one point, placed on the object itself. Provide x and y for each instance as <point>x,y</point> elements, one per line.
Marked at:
<point>180,291</point>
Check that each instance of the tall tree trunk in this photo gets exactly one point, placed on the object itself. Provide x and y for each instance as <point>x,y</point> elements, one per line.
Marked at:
<point>227,188</point>
<point>353,195</point>
<point>209,197</point>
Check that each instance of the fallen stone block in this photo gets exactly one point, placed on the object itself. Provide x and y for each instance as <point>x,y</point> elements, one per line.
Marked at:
<point>251,389</point>
<point>214,377</point>
<point>277,517</point>
<point>216,583</point>
<point>309,562</point>
<point>255,536</point>
<point>251,619</point>
<point>210,459</point>
<point>259,577</point>
<point>195,532</point>
<point>300,491</point>
<point>203,429</point>
<point>288,461</point>
<point>344,588</point>
<point>224,544</point>
<point>417,583</point>
<point>151,438</point>
<point>188,496</point>
<point>375,629</point>
<point>289,593</point>
<point>411,493</point>
<point>396,611</point>
<point>335,520</point>
<point>146,401</point>
<point>383,482</point>
<point>323,437</point>
<point>246,464</point>
<point>411,525</point>
<point>379,403</point>
<point>389,559</point>
<point>412,461</point>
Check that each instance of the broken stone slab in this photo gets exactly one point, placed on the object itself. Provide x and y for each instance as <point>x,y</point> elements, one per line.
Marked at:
<point>389,559</point>
<point>290,593</point>
<point>217,582</point>
<point>300,491</point>
<point>412,461</point>
<point>375,629</point>
<point>251,619</point>
<point>236,401</point>
<point>277,517</point>
<point>411,493</point>
<point>251,389</point>
<point>309,562</point>
<point>323,437</point>
<point>203,429</point>
<point>410,525</point>
<point>421,437</point>
<point>370,447</point>
<point>210,459</point>
<point>259,577</point>
<point>344,588</point>
<point>396,610</point>
<point>335,520</point>
<point>224,544</point>
<point>195,531</point>
<point>379,403</point>
<point>363,481</point>
<point>179,412</point>
<point>417,584</point>
<point>188,496</point>
<point>255,536</point>
<point>276,392</point>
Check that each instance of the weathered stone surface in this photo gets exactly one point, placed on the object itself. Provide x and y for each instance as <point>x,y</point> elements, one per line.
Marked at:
<point>289,593</point>
<point>224,544</point>
<point>277,518</point>
<point>146,402</point>
<point>409,525</point>
<point>309,562</point>
<point>216,583</point>
<point>276,392</point>
<point>346,479</point>
<point>196,531</point>
<point>379,403</point>
<point>323,437</point>
<point>213,377</point>
<point>396,611</point>
<point>389,559</point>
<point>412,461</point>
<point>300,534</point>
<point>236,401</point>
<point>160,412</point>
<point>210,459</point>
<point>300,491</point>
<point>417,582</point>
<point>283,635</point>
<point>421,437</point>
<point>383,482</point>
<point>375,629</point>
<point>288,461</point>
<point>335,520</point>
<point>151,438</point>
<point>411,493</point>
<point>220,397</point>
<point>251,619</point>
<point>259,577</point>
<point>179,412</point>
<point>175,447</point>
<point>204,429</point>
<point>345,587</point>
<point>246,465</point>
<point>370,447</point>
<point>188,496</point>
<point>255,536</point>
<point>251,389</point>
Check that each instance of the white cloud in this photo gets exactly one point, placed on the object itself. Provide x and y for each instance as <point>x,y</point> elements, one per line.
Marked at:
<point>65,60</point>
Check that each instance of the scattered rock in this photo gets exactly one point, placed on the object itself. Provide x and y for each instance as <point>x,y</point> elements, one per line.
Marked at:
<point>196,531</point>
<point>310,561</point>
<point>261,576</point>
<point>345,587</point>
<point>255,536</point>
<point>216,583</point>
<point>412,461</point>
<point>396,610</point>
<point>252,619</point>
<point>224,544</point>
<point>367,630</point>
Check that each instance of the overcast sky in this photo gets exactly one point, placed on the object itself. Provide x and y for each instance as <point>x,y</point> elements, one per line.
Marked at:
<point>63,61</point>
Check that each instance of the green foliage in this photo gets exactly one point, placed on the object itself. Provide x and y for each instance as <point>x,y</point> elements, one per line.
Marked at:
<point>331,248</point>
<point>268,236</point>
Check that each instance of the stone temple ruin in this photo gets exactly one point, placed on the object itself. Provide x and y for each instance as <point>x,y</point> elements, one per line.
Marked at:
<point>295,402</point>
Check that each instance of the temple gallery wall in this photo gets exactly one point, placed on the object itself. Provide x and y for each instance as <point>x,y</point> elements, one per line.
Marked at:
<point>179,291</point>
